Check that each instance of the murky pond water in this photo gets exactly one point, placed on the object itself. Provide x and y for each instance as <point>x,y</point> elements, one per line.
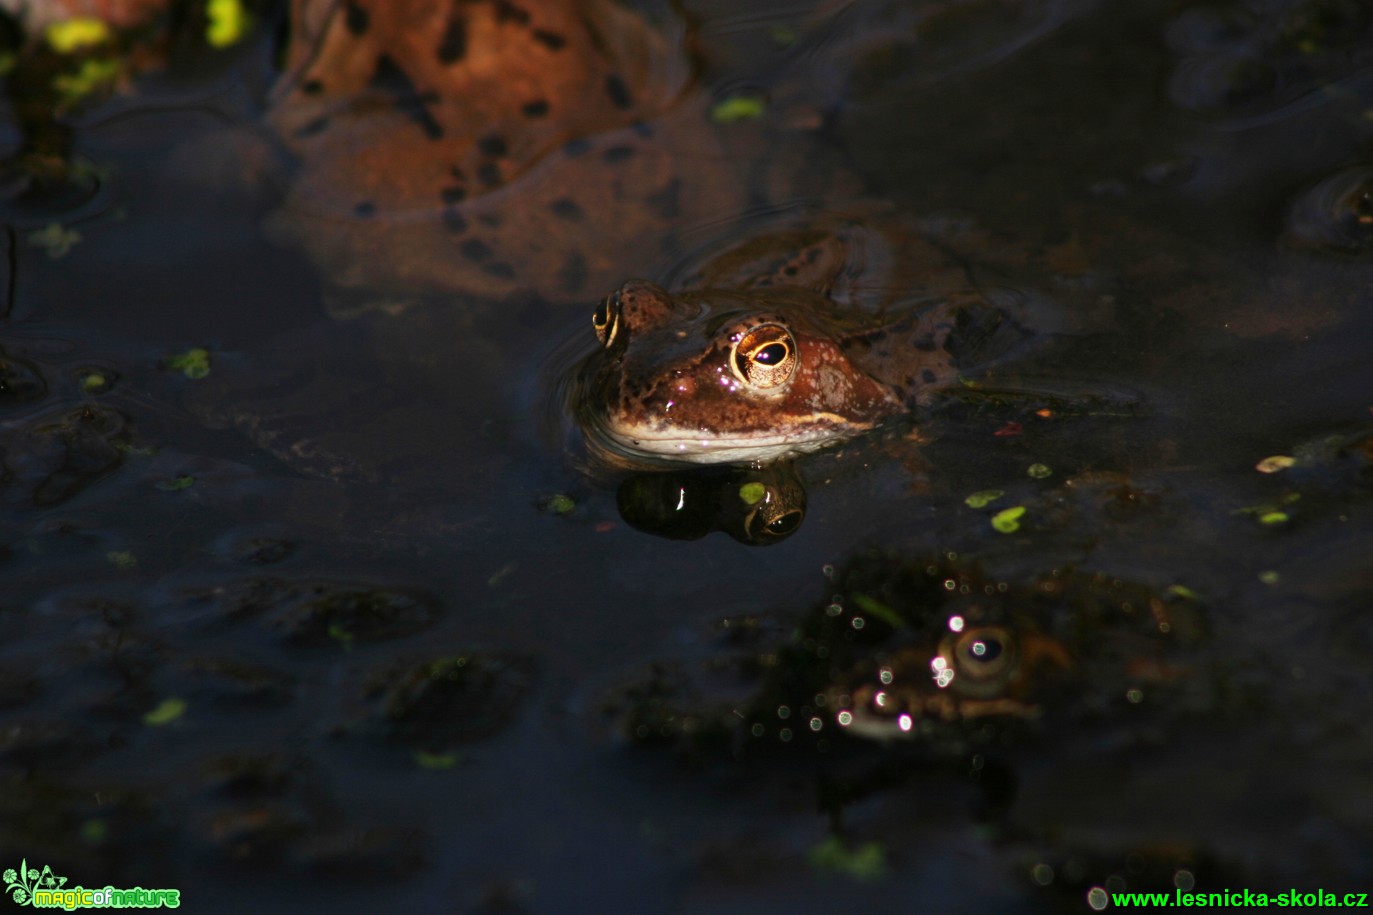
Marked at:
<point>313,595</point>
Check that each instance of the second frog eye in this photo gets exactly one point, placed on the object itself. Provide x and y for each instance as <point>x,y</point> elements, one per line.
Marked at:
<point>765,356</point>
<point>984,652</point>
<point>606,319</point>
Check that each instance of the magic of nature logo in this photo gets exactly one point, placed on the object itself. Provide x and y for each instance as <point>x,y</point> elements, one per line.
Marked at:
<point>43,889</point>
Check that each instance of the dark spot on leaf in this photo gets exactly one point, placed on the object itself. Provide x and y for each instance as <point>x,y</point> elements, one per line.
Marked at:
<point>493,145</point>
<point>926,344</point>
<point>474,249</point>
<point>502,270</point>
<point>457,173</point>
<point>489,174</point>
<point>355,18</point>
<point>572,276</point>
<point>312,87</point>
<point>365,209</point>
<point>618,154</point>
<point>490,219</point>
<point>452,194</point>
<point>535,109</point>
<point>551,40</point>
<point>617,91</point>
<point>574,148</point>
<point>567,208</point>
<point>667,203</point>
<point>928,376</point>
<point>453,45</point>
<point>642,129</point>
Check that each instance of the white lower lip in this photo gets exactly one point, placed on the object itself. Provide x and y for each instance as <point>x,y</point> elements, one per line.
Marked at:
<point>703,448</point>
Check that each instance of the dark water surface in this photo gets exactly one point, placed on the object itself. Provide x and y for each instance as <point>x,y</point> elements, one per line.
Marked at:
<point>401,675</point>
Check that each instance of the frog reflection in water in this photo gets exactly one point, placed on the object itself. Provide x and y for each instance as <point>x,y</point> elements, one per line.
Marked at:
<point>755,367</point>
<point>929,651</point>
<point>987,663</point>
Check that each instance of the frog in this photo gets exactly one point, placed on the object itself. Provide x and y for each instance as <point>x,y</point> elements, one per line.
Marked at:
<point>453,169</point>
<point>987,661</point>
<point>494,148</point>
<point>929,651</point>
<point>769,351</point>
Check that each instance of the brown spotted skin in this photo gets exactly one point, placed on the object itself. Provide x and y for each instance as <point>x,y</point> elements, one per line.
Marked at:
<point>491,147</point>
<point>666,386</point>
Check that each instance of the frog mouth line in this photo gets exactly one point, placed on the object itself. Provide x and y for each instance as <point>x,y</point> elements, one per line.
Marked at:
<point>700,446</point>
<point>905,722</point>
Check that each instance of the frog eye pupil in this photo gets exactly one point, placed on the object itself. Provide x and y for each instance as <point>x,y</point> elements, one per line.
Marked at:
<point>786,523</point>
<point>985,649</point>
<point>772,354</point>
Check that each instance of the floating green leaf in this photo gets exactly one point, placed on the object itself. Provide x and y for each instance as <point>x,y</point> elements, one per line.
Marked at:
<point>874,607</point>
<point>94,831</point>
<point>436,761</point>
<point>737,108</point>
<point>194,363</point>
<point>1008,520</point>
<point>167,711</point>
<point>1039,471</point>
<point>1270,512</point>
<point>984,497</point>
<point>339,634</point>
<point>75,34</point>
<point>752,493</point>
<point>56,240</point>
<point>502,574</point>
<point>122,559</point>
<point>865,862</point>
<point>226,22</point>
<point>559,504</point>
<point>1183,592</point>
<point>93,74</point>
<point>782,35</point>
<point>1274,463</point>
<point>176,484</point>
<point>94,381</point>
<point>1270,577</point>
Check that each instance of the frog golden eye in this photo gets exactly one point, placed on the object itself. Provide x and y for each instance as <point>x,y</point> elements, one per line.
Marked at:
<point>606,319</point>
<point>765,356</point>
